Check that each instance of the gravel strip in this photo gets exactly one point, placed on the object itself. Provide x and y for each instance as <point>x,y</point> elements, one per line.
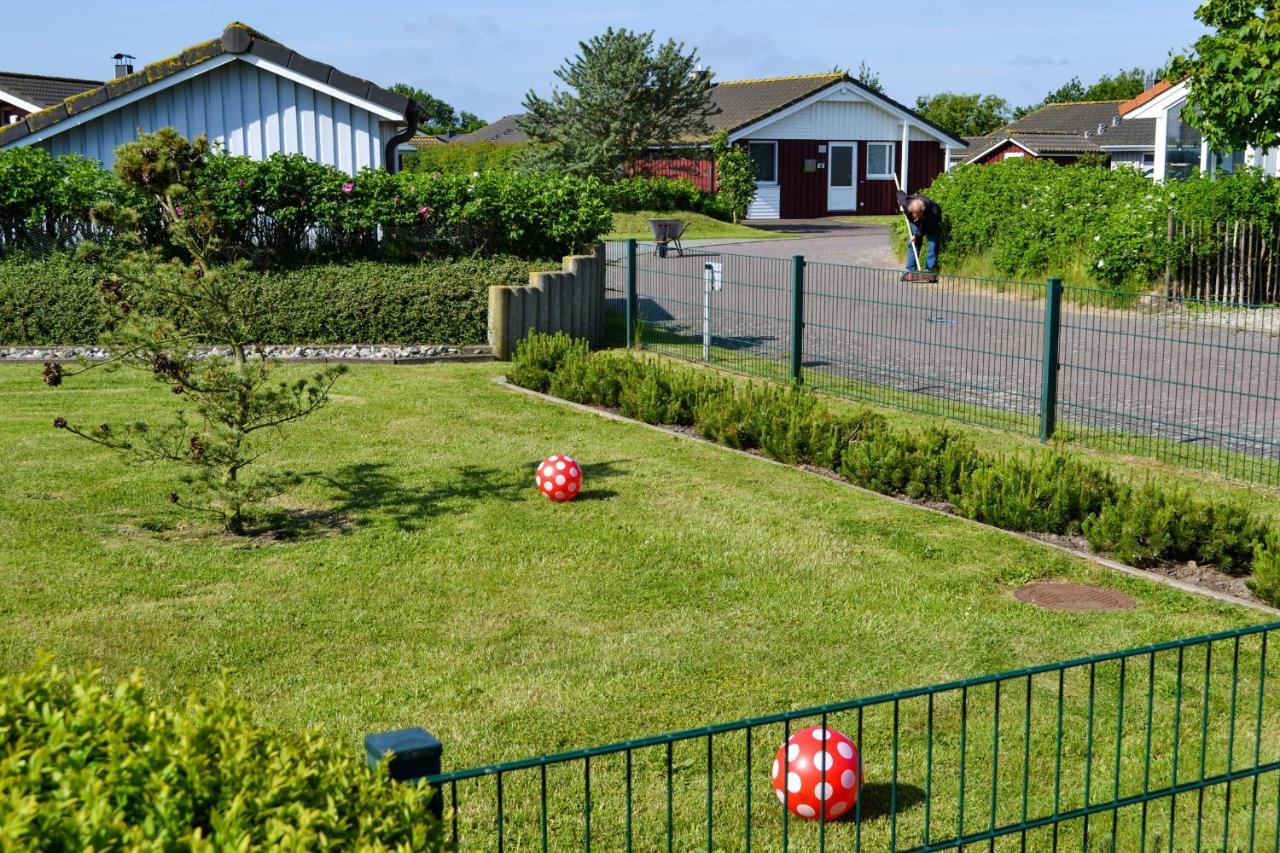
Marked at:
<point>407,354</point>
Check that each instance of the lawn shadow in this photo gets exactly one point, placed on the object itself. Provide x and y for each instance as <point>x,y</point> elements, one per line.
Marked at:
<point>877,796</point>
<point>370,488</point>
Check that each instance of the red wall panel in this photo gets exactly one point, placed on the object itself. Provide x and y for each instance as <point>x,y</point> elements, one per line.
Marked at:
<point>701,172</point>
<point>804,194</point>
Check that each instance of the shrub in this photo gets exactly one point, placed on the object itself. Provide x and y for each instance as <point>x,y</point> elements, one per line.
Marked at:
<point>48,299</point>
<point>465,157</point>
<point>1148,525</point>
<point>1046,493</point>
<point>87,766</point>
<point>664,194</point>
<point>929,465</point>
<point>1033,218</point>
<point>288,207</point>
<point>538,357</point>
<point>1266,569</point>
<point>52,300</point>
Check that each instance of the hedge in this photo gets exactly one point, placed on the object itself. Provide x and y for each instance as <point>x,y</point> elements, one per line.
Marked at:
<point>1033,218</point>
<point>1040,491</point>
<point>85,766</point>
<point>288,206</point>
<point>52,300</point>
<point>465,157</point>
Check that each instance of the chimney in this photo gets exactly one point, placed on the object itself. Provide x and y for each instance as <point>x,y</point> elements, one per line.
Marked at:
<point>124,64</point>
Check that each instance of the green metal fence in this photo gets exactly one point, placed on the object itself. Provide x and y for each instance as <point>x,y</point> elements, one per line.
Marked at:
<point>1173,746</point>
<point>1189,381</point>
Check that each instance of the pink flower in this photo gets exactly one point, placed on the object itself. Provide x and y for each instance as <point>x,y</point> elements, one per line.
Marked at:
<point>424,211</point>
<point>240,181</point>
<point>348,187</point>
<point>178,212</point>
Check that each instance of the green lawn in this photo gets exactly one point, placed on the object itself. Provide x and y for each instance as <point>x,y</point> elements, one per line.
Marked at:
<point>701,227</point>
<point>686,586</point>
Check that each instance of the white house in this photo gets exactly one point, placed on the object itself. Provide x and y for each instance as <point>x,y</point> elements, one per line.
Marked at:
<point>1174,156</point>
<point>244,91</point>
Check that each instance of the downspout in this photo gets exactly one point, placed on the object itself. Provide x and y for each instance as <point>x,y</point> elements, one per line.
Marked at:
<point>412,115</point>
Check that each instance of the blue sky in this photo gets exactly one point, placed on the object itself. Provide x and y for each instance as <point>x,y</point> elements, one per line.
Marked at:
<point>483,56</point>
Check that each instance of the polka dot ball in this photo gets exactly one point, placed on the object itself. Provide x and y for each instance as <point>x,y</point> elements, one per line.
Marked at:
<point>559,477</point>
<point>817,767</point>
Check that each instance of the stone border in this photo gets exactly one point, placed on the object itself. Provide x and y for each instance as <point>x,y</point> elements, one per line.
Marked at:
<point>300,354</point>
<point>1153,577</point>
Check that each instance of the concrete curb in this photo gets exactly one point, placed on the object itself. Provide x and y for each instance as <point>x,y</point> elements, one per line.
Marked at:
<point>1223,597</point>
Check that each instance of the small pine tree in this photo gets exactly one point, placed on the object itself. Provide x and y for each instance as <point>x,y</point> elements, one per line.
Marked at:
<point>161,311</point>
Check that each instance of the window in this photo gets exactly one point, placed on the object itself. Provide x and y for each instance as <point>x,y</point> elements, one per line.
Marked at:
<point>764,159</point>
<point>1009,155</point>
<point>879,160</point>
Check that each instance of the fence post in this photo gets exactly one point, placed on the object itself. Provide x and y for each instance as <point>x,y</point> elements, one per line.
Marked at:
<point>413,754</point>
<point>1049,369</point>
<point>631,293</point>
<point>797,316</point>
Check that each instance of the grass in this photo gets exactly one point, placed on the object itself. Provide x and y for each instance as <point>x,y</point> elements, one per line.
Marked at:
<point>434,587</point>
<point>877,219</point>
<point>701,227</point>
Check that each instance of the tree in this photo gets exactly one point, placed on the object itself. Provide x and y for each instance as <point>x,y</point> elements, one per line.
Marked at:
<point>624,97</point>
<point>1234,95</point>
<point>964,114</point>
<point>441,116</point>
<point>735,177</point>
<point>869,78</point>
<point>1121,86</point>
<point>161,308</point>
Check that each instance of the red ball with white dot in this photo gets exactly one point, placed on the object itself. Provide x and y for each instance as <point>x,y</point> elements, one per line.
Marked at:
<point>818,768</point>
<point>559,478</point>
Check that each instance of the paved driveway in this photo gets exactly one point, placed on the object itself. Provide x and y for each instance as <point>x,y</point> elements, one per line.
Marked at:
<point>1178,375</point>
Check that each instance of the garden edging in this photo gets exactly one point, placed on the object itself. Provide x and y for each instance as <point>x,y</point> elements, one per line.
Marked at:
<point>1113,565</point>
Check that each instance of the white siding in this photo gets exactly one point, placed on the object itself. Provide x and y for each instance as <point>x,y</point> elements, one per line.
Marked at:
<point>248,110</point>
<point>838,119</point>
<point>767,204</point>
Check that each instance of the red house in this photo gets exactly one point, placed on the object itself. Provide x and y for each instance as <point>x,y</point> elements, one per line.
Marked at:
<point>821,145</point>
<point>23,94</point>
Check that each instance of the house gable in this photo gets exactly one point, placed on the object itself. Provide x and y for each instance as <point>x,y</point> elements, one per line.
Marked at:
<point>251,94</point>
<point>843,110</point>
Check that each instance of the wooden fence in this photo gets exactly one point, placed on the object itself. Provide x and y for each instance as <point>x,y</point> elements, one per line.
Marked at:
<point>1233,262</point>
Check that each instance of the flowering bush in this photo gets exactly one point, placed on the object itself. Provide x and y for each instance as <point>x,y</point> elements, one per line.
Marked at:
<point>1034,218</point>
<point>288,205</point>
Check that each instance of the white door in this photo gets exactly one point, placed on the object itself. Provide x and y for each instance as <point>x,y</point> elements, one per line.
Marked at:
<point>842,177</point>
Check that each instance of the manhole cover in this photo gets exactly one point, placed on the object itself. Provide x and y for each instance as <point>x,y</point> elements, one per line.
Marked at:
<point>1073,596</point>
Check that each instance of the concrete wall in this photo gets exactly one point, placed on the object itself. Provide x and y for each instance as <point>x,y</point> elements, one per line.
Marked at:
<point>570,301</point>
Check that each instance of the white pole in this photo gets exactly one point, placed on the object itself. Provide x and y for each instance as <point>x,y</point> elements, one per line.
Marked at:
<point>1162,147</point>
<point>906,146</point>
<point>1204,157</point>
<point>708,281</point>
<point>947,162</point>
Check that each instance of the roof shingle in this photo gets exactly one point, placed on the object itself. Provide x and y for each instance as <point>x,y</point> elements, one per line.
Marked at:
<point>41,90</point>
<point>237,38</point>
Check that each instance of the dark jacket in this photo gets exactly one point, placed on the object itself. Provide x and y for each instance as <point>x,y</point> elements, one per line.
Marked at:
<point>930,218</point>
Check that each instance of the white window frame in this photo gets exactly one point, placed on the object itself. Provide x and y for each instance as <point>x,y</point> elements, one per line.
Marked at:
<point>774,143</point>
<point>1013,155</point>
<point>888,159</point>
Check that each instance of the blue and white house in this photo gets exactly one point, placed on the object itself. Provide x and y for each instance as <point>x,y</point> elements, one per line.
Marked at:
<point>243,90</point>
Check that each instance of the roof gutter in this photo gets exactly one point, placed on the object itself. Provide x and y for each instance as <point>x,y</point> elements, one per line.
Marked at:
<point>412,115</point>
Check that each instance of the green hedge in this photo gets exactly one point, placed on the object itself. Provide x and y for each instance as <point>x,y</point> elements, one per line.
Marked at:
<point>664,194</point>
<point>1033,218</point>
<point>52,299</point>
<point>465,157</point>
<point>290,206</point>
<point>1041,491</point>
<point>86,766</point>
